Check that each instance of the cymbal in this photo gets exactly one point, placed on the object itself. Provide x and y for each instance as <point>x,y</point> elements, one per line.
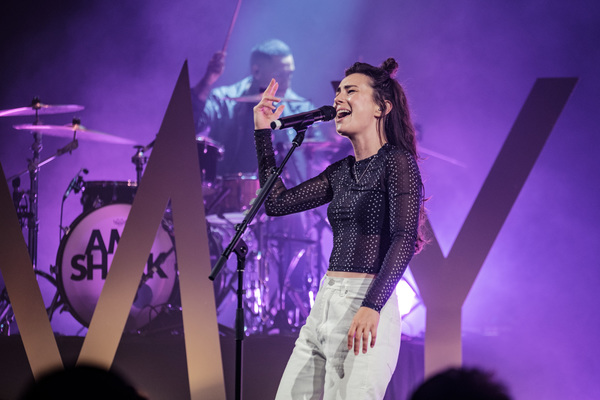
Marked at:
<point>255,98</point>
<point>68,131</point>
<point>40,108</point>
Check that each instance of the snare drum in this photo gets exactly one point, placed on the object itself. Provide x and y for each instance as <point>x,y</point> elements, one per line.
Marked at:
<point>95,194</point>
<point>84,258</point>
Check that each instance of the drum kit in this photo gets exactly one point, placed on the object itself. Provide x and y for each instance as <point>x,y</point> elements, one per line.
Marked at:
<point>283,267</point>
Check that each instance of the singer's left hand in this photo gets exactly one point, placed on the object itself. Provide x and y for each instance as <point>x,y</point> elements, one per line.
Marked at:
<point>265,112</point>
<point>364,324</point>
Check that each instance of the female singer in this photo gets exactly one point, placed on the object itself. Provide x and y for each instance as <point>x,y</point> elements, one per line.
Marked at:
<point>349,346</point>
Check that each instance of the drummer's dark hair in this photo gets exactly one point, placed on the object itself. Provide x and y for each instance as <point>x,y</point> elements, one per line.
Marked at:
<point>268,49</point>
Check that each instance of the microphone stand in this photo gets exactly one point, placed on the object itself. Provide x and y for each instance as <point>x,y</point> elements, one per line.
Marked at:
<point>242,249</point>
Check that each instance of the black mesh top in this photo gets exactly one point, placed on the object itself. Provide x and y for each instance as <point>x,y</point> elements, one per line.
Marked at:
<point>373,211</point>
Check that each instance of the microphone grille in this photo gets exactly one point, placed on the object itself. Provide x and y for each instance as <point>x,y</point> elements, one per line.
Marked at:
<point>328,112</point>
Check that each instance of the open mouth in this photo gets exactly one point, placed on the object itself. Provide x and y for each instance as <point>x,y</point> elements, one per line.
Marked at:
<point>342,114</point>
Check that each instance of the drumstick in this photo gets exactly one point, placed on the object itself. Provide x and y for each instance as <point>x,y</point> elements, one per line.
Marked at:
<point>235,14</point>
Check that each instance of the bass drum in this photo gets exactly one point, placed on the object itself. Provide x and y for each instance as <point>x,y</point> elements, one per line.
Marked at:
<point>84,258</point>
<point>95,194</point>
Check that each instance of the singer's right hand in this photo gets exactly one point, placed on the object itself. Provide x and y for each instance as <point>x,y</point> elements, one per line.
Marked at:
<point>265,112</point>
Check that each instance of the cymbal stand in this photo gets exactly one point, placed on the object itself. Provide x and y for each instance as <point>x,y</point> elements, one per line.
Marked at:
<point>33,168</point>
<point>33,222</point>
<point>30,213</point>
<point>139,159</point>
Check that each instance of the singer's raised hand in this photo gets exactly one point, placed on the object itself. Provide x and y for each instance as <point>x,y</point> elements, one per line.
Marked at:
<point>265,112</point>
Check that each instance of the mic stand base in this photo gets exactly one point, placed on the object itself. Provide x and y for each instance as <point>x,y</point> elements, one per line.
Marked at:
<point>240,251</point>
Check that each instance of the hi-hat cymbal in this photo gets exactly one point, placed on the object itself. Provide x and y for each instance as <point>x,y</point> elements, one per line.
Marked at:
<point>40,109</point>
<point>255,98</point>
<point>68,131</point>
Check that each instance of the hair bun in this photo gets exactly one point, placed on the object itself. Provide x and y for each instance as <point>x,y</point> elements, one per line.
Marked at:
<point>390,66</point>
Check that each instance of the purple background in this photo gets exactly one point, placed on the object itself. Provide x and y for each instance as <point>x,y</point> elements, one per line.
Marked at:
<point>468,66</point>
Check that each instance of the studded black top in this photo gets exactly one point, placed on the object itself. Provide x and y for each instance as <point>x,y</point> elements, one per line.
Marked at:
<point>373,211</point>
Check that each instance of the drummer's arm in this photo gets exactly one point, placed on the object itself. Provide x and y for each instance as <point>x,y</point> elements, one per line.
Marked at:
<point>214,70</point>
<point>201,91</point>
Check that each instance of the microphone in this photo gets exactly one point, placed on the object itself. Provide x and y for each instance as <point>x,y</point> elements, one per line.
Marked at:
<point>308,118</point>
<point>75,182</point>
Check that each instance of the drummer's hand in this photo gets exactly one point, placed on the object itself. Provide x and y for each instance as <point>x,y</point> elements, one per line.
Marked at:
<point>365,322</point>
<point>265,112</point>
<point>215,68</point>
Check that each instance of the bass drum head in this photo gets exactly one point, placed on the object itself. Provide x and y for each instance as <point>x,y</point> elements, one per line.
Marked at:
<point>84,259</point>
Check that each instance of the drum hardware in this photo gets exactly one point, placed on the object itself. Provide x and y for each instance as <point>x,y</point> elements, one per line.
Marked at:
<point>234,194</point>
<point>220,197</point>
<point>282,319</point>
<point>28,212</point>
<point>70,131</point>
<point>74,186</point>
<point>291,299</point>
<point>210,152</point>
<point>6,313</point>
<point>26,202</point>
<point>18,198</point>
<point>299,266</point>
<point>67,131</point>
<point>38,108</point>
<point>95,194</point>
<point>219,232</point>
<point>139,159</point>
<point>34,167</point>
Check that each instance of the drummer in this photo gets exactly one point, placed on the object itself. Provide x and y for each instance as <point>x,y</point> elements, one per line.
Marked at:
<point>225,113</point>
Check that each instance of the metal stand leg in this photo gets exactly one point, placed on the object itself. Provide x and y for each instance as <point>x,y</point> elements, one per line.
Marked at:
<point>240,250</point>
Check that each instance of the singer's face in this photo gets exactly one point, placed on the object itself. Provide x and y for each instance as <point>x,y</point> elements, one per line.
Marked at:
<point>277,67</point>
<point>356,111</point>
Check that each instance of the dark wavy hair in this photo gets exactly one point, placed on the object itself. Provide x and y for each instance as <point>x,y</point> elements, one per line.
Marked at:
<point>397,124</point>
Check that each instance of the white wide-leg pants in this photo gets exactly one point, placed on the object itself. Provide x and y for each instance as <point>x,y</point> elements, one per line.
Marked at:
<point>321,367</point>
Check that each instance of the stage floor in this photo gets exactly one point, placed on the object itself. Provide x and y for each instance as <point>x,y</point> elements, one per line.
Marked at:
<point>157,366</point>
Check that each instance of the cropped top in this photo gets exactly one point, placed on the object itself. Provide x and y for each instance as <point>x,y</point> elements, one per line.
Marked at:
<point>373,210</point>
